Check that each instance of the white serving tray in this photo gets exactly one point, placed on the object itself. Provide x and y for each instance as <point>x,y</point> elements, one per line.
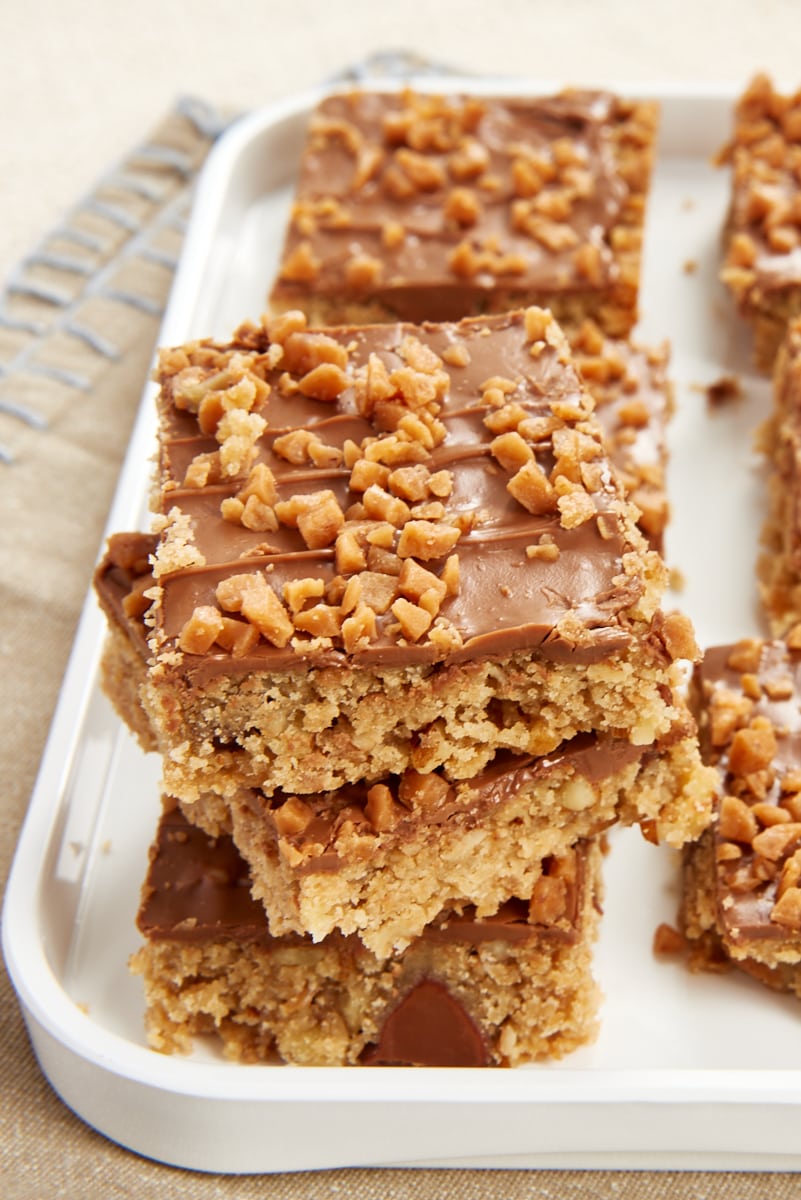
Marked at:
<point>689,1071</point>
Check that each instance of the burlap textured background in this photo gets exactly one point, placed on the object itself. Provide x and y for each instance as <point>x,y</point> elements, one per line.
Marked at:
<point>53,502</point>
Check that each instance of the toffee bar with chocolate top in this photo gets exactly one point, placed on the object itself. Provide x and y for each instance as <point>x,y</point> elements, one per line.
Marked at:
<point>743,878</point>
<point>780,441</point>
<point>383,859</point>
<point>501,991</point>
<point>429,207</point>
<point>393,547</point>
<point>762,237</point>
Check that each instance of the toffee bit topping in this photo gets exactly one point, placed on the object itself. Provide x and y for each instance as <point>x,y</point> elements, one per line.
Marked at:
<point>413,620</point>
<point>198,390</point>
<point>469,259</point>
<point>256,600</point>
<point>252,506</point>
<point>457,355</point>
<point>326,381</point>
<point>176,549</point>
<point>575,508</point>
<point>463,207</point>
<point>393,235</point>
<point>204,469</point>
<point>238,432</point>
<point>201,630</point>
<point>367,484</point>
<point>363,271</point>
<point>359,629</point>
<point>545,549</point>
<point>426,540</point>
<point>328,212</point>
<point>317,516</point>
<point>531,487</point>
<point>787,910</point>
<point>301,266</point>
<point>423,174</point>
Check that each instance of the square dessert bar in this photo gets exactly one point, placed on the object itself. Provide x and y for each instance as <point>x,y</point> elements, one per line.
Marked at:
<point>381,860</point>
<point>393,547</point>
<point>780,438</point>
<point>384,859</point>
<point>499,992</point>
<point>762,237</point>
<point>742,900</point>
<point>431,207</point>
<point>634,402</point>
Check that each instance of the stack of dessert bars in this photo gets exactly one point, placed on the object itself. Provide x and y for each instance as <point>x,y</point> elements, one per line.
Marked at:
<point>397,633</point>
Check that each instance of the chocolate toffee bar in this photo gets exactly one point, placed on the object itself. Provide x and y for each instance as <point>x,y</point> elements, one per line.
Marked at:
<point>743,878</point>
<point>502,991</point>
<point>424,207</point>
<point>383,859</point>
<point>762,238</point>
<point>377,553</point>
<point>780,564</point>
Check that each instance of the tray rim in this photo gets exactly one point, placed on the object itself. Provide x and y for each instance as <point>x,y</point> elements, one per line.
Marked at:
<point>52,1015</point>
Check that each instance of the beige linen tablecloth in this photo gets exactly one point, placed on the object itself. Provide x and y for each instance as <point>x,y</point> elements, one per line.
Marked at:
<point>77,332</point>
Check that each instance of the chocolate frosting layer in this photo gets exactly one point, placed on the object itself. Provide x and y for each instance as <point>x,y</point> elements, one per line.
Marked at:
<point>570,602</point>
<point>747,886</point>
<point>382,162</point>
<point>198,888</point>
<point>197,891</point>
